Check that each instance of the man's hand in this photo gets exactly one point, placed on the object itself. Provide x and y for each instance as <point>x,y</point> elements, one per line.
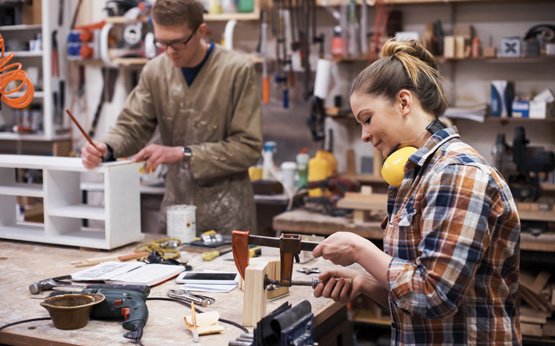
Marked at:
<point>155,154</point>
<point>341,248</point>
<point>344,285</point>
<point>92,156</point>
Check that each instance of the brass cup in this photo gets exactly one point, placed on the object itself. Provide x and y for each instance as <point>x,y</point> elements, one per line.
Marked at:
<point>71,311</point>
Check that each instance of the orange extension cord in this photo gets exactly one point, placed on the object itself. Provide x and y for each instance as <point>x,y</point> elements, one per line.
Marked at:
<point>13,72</point>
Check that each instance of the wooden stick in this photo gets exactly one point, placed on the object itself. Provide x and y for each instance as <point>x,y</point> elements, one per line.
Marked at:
<point>126,257</point>
<point>194,329</point>
<point>87,137</point>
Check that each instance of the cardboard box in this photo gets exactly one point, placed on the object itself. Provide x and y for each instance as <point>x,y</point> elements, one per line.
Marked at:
<point>32,12</point>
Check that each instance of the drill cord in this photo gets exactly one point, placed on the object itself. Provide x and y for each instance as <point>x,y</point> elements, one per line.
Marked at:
<point>25,321</point>
<point>235,324</point>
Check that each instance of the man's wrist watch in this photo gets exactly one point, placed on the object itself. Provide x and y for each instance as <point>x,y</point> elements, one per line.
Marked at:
<point>187,152</point>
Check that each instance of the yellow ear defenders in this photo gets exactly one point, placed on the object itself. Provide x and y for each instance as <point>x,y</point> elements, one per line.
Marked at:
<point>393,167</point>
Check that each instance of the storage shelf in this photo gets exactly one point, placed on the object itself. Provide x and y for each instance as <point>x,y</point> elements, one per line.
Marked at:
<point>80,211</point>
<point>23,231</point>
<point>21,189</point>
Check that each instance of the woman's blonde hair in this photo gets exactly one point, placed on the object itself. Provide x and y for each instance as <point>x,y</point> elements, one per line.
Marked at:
<point>404,65</point>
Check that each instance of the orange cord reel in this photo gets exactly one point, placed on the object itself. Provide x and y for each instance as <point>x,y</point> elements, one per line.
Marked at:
<point>10,73</point>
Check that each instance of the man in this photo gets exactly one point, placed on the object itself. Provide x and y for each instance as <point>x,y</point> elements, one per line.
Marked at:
<point>205,102</point>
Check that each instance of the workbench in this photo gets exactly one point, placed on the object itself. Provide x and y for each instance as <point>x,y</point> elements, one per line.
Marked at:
<point>24,263</point>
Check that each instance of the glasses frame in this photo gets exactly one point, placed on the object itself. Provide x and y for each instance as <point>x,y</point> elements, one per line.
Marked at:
<point>166,45</point>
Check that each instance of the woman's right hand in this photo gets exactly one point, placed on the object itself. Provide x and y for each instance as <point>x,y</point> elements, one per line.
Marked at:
<point>342,285</point>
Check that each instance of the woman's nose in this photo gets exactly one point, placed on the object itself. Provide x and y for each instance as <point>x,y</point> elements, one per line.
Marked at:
<point>365,135</point>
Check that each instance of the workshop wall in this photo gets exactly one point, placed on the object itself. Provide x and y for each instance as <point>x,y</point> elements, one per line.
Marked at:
<point>467,82</point>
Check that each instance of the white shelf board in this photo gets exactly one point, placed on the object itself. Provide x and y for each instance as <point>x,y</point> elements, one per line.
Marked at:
<point>38,137</point>
<point>20,27</point>
<point>53,163</point>
<point>25,54</point>
<point>23,231</point>
<point>36,95</point>
<point>20,189</point>
<point>80,211</point>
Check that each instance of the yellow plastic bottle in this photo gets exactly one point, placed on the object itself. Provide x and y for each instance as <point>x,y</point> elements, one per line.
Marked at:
<point>318,169</point>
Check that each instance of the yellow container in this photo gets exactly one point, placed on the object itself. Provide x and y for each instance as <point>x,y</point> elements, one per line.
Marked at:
<point>319,168</point>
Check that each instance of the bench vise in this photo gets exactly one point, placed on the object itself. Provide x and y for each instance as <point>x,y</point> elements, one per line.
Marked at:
<point>290,246</point>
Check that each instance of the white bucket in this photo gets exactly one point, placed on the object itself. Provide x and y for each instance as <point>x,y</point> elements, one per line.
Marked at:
<point>181,222</point>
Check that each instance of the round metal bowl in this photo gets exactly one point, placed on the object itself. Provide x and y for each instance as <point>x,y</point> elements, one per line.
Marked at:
<point>71,311</point>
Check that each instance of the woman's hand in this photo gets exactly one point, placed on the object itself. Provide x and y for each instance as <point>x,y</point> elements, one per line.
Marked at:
<point>341,248</point>
<point>344,285</point>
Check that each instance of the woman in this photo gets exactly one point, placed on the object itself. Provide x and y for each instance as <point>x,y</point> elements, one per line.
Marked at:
<point>449,267</point>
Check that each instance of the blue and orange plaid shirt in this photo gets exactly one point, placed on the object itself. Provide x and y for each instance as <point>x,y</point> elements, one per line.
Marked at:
<point>454,234</point>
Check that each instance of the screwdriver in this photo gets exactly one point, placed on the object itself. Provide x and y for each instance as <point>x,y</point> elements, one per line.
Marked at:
<point>210,255</point>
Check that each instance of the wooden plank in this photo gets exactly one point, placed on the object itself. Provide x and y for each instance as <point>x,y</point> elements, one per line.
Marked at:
<point>540,281</point>
<point>531,329</point>
<point>543,242</point>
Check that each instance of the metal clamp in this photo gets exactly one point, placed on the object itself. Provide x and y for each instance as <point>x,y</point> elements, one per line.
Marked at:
<point>189,297</point>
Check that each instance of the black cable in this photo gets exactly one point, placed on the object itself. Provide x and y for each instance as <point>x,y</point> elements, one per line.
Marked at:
<point>25,321</point>
<point>200,311</point>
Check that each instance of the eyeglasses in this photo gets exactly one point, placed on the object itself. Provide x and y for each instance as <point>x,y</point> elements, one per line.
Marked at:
<point>176,44</point>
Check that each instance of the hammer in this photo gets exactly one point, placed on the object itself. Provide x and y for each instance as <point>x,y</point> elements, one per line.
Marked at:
<point>48,284</point>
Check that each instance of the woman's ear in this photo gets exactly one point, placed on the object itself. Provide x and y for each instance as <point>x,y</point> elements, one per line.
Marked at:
<point>405,100</point>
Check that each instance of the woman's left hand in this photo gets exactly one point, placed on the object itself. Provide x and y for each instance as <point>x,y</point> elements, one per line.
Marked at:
<point>341,248</point>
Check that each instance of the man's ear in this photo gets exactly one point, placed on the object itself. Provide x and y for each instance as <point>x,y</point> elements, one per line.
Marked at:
<point>202,30</point>
<point>404,98</point>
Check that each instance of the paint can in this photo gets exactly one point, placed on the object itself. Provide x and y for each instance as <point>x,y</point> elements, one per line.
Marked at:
<point>181,222</point>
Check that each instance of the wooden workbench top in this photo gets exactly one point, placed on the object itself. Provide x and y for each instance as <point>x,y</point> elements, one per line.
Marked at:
<point>24,263</point>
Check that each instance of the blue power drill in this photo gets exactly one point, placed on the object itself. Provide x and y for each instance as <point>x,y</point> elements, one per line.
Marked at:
<point>125,303</point>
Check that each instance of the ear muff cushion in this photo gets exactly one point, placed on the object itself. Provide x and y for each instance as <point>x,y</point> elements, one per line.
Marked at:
<point>393,168</point>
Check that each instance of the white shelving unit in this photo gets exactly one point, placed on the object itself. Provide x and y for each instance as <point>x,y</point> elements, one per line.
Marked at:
<point>63,209</point>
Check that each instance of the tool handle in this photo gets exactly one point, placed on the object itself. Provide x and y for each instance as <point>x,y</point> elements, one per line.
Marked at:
<point>266,90</point>
<point>210,255</point>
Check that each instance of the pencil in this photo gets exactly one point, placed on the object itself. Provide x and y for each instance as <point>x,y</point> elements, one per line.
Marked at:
<point>87,137</point>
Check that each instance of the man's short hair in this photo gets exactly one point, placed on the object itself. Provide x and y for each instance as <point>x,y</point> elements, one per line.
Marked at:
<point>178,12</point>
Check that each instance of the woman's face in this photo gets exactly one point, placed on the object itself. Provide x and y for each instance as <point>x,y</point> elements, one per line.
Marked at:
<point>381,121</point>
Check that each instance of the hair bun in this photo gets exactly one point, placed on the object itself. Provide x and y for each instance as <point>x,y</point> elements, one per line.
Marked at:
<point>411,47</point>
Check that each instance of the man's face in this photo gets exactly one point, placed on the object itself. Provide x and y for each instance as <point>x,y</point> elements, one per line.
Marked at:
<point>180,43</point>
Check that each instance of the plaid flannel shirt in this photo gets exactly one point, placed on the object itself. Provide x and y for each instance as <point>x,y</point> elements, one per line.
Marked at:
<point>454,234</point>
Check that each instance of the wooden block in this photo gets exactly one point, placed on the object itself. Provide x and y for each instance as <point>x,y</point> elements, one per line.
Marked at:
<point>531,329</point>
<point>540,281</point>
<point>459,47</point>
<point>360,217</point>
<point>254,296</point>
<point>490,52</point>
<point>351,164</point>
<point>378,160</point>
<point>528,315</point>
<point>549,328</point>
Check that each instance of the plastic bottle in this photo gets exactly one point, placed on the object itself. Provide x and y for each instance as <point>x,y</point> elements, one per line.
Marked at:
<point>302,168</point>
<point>318,169</point>
<point>268,164</point>
<point>338,43</point>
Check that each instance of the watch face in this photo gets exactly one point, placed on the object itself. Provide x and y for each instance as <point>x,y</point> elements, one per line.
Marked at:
<point>187,152</point>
